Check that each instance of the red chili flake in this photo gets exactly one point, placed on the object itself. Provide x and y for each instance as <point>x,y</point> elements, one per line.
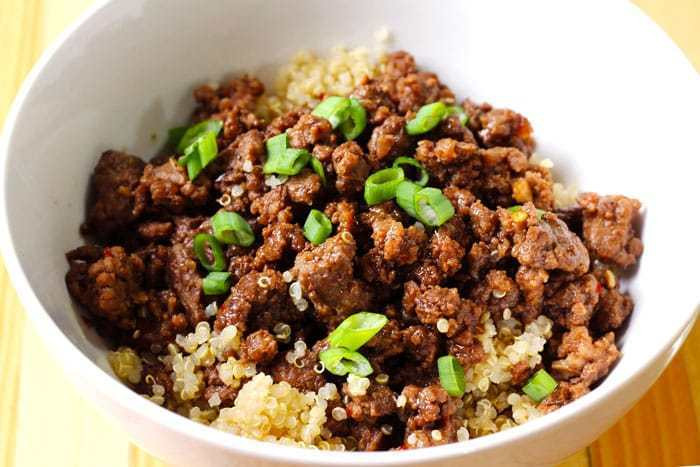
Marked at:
<point>107,253</point>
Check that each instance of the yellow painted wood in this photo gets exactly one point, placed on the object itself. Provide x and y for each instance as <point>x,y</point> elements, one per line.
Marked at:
<point>43,421</point>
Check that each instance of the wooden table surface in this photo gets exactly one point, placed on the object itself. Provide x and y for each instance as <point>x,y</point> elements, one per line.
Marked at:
<point>38,403</point>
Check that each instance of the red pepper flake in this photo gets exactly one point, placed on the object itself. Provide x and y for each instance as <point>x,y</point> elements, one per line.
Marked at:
<point>107,253</point>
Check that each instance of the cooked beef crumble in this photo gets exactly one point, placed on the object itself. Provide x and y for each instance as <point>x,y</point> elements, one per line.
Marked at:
<point>447,290</point>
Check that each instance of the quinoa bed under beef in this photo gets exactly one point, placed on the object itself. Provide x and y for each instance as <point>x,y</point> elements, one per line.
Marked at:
<point>505,292</point>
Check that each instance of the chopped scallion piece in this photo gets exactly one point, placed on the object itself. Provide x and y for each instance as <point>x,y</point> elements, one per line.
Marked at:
<point>459,112</point>
<point>276,144</point>
<point>426,118</point>
<point>432,207</point>
<point>451,375</point>
<point>341,361</point>
<point>175,136</point>
<point>423,180</point>
<point>318,168</point>
<point>381,186</point>
<point>216,283</point>
<point>540,385</point>
<point>317,227</point>
<point>405,196</point>
<point>232,229</point>
<point>288,162</point>
<point>193,133</point>
<point>335,109</point>
<point>356,121</point>
<point>200,250</point>
<point>356,330</point>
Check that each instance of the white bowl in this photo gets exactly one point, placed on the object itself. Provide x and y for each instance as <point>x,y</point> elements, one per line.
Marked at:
<point>612,100</point>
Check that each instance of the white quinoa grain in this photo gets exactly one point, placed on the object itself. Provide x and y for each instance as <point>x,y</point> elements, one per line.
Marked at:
<point>237,191</point>
<point>443,325</point>
<point>339,414</point>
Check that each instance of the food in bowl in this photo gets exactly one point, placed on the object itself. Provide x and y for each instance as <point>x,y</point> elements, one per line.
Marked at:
<point>381,268</point>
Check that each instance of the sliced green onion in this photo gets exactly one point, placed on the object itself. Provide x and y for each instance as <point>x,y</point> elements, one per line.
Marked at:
<point>423,180</point>
<point>193,133</point>
<point>518,208</point>
<point>200,250</point>
<point>355,124</point>
<point>216,283</point>
<point>318,168</point>
<point>208,149</point>
<point>276,144</point>
<point>175,136</point>
<point>192,160</point>
<point>335,109</point>
<point>317,227</point>
<point>432,207</point>
<point>288,162</point>
<point>356,330</point>
<point>427,118</point>
<point>540,385</point>
<point>381,185</point>
<point>459,112</point>
<point>405,196</point>
<point>340,361</point>
<point>232,229</point>
<point>451,375</point>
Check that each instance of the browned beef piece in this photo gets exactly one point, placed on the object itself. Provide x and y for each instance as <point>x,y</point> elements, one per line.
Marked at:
<point>240,261</point>
<point>239,92</point>
<point>259,300</point>
<point>387,343</point>
<point>310,130</point>
<point>369,437</point>
<point>452,128</point>
<point>484,221</point>
<point>613,309</point>
<point>273,206</point>
<point>461,199</point>
<point>421,346</point>
<point>374,97</point>
<point>278,239</point>
<point>115,178</point>
<point>283,122</point>
<point>300,374</point>
<point>342,214</point>
<point>397,244</point>
<point>573,304</point>
<point>429,408</point>
<point>155,259</point>
<point>155,230</point>
<point>607,228</point>
<point>214,385</point>
<point>448,159</point>
<point>351,168</point>
<point>433,303</point>
<point>496,291</point>
<point>167,187</point>
<point>327,279</point>
<point>531,282</point>
<point>158,322</point>
<point>259,347</point>
<point>583,360</point>
<point>379,401</point>
<point>304,188</point>
<point>109,286</point>
<point>535,186</point>
<point>443,257</point>
<point>500,127</point>
<point>388,141</point>
<point>549,244</point>
<point>562,395</point>
<point>242,179</point>
<point>500,169</point>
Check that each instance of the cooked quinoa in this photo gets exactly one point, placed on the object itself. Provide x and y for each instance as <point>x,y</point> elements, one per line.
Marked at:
<point>485,286</point>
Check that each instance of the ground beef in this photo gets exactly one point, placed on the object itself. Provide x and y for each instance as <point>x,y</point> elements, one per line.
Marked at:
<point>300,374</point>
<point>583,360</point>
<point>397,244</point>
<point>273,206</point>
<point>574,303</point>
<point>168,187</point>
<point>608,229</point>
<point>427,409</point>
<point>278,239</point>
<point>259,300</point>
<point>388,140</point>
<point>450,161</point>
<point>532,284</point>
<point>185,280</point>
<point>374,97</point>
<point>351,168</point>
<point>155,230</point>
<point>310,130</point>
<point>500,127</point>
<point>259,347</point>
<point>242,179</point>
<point>114,181</point>
<point>613,309</point>
<point>379,401</point>
<point>326,276</point>
<point>304,188</point>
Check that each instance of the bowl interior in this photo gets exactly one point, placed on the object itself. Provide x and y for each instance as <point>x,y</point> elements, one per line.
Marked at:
<point>613,110</point>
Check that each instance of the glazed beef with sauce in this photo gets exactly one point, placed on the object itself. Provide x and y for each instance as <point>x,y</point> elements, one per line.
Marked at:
<point>140,282</point>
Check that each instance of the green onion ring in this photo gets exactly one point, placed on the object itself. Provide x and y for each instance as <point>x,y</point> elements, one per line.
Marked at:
<point>432,207</point>
<point>355,124</point>
<point>317,227</point>
<point>381,186</point>
<point>451,375</point>
<point>232,229</point>
<point>200,242</point>
<point>356,330</point>
<point>216,283</point>
<point>424,176</point>
<point>341,361</point>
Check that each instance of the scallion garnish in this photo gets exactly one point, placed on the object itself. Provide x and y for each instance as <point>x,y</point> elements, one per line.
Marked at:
<point>288,162</point>
<point>451,375</point>
<point>459,112</point>
<point>276,144</point>
<point>381,185</point>
<point>201,241</point>
<point>405,196</point>
<point>335,109</point>
<point>540,385</point>
<point>356,330</point>
<point>317,227</point>
<point>356,121</point>
<point>318,168</point>
<point>232,229</point>
<point>197,144</point>
<point>341,361</point>
<point>426,118</point>
<point>423,180</point>
<point>216,283</point>
<point>432,207</point>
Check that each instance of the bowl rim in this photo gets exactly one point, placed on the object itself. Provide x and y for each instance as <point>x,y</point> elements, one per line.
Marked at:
<point>108,386</point>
